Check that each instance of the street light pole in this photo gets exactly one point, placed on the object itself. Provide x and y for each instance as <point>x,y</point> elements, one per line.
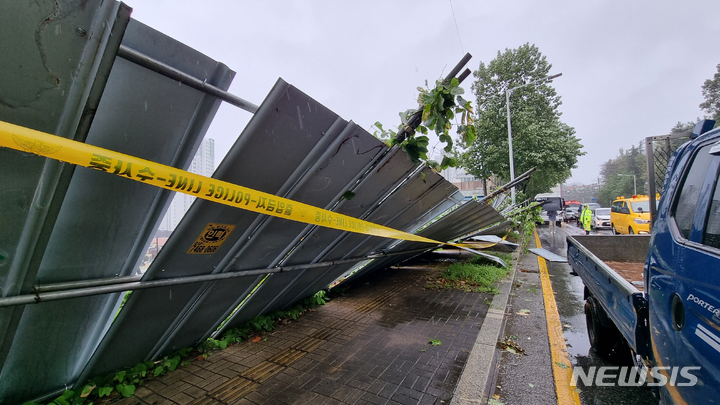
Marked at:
<point>634,181</point>
<point>510,144</point>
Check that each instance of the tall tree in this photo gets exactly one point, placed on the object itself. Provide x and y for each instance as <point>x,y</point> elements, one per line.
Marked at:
<point>617,175</point>
<point>540,139</point>
<point>711,93</point>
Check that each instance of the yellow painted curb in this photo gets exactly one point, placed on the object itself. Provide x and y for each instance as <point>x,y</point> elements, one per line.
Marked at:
<point>562,367</point>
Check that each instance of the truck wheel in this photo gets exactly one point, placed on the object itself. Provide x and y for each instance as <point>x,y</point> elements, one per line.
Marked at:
<point>630,231</point>
<point>606,341</point>
<point>614,231</point>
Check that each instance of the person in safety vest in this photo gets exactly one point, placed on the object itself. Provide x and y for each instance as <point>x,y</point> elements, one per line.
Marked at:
<point>586,218</point>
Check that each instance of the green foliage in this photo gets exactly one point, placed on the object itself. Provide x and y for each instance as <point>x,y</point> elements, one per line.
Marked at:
<point>263,323</point>
<point>629,162</point>
<point>319,298</point>
<point>711,94</point>
<point>525,220</point>
<point>478,274</point>
<point>435,342</point>
<point>540,139</point>
<point>439,106</point>
<point>126,390</point>
<point>66,398</point>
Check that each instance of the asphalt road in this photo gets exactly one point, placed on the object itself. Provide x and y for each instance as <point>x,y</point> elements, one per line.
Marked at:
<point>570,303</point>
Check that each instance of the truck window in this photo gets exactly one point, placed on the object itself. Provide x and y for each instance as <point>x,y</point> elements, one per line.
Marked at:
<point>711,234</point>
<point>684,209</point>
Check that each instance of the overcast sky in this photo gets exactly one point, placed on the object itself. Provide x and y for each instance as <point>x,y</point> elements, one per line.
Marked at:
<point>631,69</point>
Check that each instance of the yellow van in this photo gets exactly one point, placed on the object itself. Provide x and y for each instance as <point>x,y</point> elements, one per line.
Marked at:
<point>630,215</point>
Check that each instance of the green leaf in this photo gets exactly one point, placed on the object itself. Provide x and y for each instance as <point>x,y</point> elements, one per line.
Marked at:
<point>184,351</point>
<point>456,91</point>
<point>120,376</point>
<point>87,390</point>
<point>104,391</point>
<point>435,342</point>
<point>427,110</point>
<point>125,390</point>
<point>422,176</point>
<point>469,135</point>
<point>61,401</point>
<point>173,363</point>
<point>348,195</point>
<point>561,365</point>
<point>426,99</point>
<point>422,141</point>
<point>448,162</point>
<point>158,371</point>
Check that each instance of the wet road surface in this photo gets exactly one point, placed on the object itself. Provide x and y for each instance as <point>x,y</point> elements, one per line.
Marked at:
<point>570,304</point>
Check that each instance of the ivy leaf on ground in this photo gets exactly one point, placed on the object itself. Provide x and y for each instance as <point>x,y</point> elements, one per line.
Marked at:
<point>125,390</point>
<point>87,390</point>
<point>104,391</point>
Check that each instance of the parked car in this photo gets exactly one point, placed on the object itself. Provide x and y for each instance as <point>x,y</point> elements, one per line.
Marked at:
<point>600,218</point>
<point>571,213</point>
<point>630,215</point>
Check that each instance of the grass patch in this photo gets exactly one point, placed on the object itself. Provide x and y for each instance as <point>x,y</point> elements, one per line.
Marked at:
<point>477,275</point>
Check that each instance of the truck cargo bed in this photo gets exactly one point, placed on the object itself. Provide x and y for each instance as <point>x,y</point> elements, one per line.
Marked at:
<point>632,272</point>
<point>612,268</point>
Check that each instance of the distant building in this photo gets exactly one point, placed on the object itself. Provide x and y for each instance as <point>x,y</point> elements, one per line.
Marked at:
<point>585,193</point>
<point>469,185</point>
<point>203,164</point>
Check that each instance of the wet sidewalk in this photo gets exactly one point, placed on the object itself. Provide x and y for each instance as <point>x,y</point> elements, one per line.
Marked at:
<point>371,346</point>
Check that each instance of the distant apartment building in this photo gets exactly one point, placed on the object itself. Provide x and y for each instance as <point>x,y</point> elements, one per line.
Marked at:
<point>203,164</point>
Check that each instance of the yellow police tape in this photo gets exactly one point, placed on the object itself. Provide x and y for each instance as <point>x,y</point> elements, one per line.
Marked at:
<point>170,178</point>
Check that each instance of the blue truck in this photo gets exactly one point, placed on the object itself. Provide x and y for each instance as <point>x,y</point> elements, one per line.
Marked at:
<point>658,296</point>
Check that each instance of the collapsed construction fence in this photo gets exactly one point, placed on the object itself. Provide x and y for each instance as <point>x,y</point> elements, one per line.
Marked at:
<point>72,238</point>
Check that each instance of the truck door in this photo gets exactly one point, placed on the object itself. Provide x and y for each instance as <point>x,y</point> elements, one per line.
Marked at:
<point>684,280</point>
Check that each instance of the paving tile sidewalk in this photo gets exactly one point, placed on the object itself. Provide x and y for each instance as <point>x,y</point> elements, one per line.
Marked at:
<point>369,347</point>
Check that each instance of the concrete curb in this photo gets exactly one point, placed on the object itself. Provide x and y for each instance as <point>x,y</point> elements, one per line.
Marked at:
<point>472,387</point>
